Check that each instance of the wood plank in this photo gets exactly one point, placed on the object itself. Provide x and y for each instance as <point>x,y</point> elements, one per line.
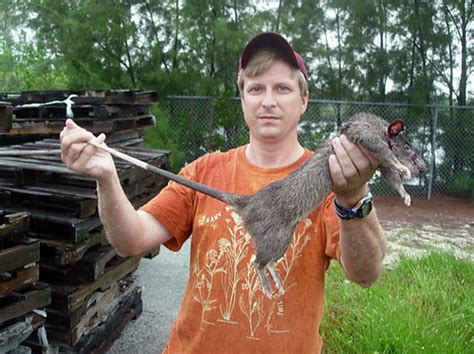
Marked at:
<point>102,338</point>
<point>61,330</point>
<point>49,169</point>
<point>131,97</point>
<point>63,320</point>
<point>5,117</point>
<point>57,112</point>
<point>111,97</point>
<point>153,253</point>
<point>88,269</point>
<point>55,200</point>
<point>19,278</point>
<point>15,304</point>
<point>17,332</point>
<point>69,299</point>
<point>96,126</point>
<point>18,256</point>
<point>59,252</point>
<point>56,226</point>
<point>14,224</point>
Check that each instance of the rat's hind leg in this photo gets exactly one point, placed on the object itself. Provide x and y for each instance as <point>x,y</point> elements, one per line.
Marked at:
<point>266,286</point>
<point>276,277</point>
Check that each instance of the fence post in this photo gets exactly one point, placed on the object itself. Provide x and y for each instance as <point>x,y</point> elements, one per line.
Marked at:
<point>433,153</point>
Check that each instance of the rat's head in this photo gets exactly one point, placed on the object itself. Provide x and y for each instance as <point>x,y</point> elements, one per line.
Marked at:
<point>402,149</point>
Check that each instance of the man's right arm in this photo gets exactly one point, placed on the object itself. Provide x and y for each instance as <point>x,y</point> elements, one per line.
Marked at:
<point>129,231</point>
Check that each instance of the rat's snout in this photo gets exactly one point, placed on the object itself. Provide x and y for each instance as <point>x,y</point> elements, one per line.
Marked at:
<point>420,164</point>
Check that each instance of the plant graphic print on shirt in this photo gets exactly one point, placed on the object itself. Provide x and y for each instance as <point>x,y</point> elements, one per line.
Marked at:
<point>225,282</point>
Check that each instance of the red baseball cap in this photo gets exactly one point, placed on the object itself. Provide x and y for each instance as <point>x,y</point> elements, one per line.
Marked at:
<point>275,40</point>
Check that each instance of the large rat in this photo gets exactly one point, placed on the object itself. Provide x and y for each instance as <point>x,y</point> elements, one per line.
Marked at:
<point>302,191</point>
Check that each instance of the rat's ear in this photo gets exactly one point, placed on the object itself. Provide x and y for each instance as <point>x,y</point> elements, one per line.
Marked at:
<point>395,128</point>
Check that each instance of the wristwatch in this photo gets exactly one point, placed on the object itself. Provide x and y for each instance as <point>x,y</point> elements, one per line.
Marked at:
<point>360,209</point>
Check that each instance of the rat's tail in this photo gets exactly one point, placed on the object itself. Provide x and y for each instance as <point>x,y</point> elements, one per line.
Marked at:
<point>212,192</point>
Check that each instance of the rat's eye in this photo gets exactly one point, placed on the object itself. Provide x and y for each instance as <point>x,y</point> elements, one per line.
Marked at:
<point>407,146</point>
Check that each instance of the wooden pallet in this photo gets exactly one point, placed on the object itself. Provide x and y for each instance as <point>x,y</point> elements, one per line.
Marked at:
<point>9,282</point>
<point>89,268</point>
<point>91,110</point>
<point>49,170</point>
<point>70,201</point>
<point>12,225</point>
<point>52,127</point>
<point>59,252</point>
<point>23,301</point>
<point>68,299</point>
<point>16,332</point>
<point>102,337</point>
<point>83,96</point>
<point>5,116</point>
<point>57,226</point>
<point>68,330</point>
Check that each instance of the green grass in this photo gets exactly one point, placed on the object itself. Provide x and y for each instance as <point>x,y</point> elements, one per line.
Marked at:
<point>423,306</point>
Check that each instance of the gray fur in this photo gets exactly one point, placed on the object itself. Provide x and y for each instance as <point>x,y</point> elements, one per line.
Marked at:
<point>272,214</point>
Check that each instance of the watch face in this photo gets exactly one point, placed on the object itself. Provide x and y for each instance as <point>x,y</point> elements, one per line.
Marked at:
<point>365,209</point>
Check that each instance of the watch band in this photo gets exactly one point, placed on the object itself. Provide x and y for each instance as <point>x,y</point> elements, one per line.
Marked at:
<point>361,208</point>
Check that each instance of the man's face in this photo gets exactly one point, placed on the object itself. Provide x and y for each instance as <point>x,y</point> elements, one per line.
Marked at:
<point>272,103</point>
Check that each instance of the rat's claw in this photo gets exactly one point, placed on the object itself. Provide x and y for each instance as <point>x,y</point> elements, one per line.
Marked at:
<point>405,171</point>
<point>407,200</point>
<point>268,292</point>
<point>276,278</point>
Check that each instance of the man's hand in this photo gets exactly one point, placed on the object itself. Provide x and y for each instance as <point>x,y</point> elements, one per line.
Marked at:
<point>82,157</point>
<point>351,168</point>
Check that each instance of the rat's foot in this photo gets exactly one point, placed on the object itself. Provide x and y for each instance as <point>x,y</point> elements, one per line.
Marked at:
<point>405,171</point>
<point>266,286</point>
<point>276,278</point>
<point>407,199</point>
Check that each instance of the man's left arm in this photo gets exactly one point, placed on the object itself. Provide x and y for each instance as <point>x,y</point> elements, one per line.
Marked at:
<point>362,242</point>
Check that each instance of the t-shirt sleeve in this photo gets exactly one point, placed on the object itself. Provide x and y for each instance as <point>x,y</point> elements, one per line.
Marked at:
<point>173,207</point>
<point>330,225</point>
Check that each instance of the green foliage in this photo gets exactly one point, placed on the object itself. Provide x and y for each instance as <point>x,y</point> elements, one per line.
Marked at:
<point>162,136</point>
<point>423,305</point>
<point>192,47</point>
<point>456,168</point>
<point>195,127</point>
<point>30,69</point>
<point>463,186</point>
<point>230,130</point>
<point>352,48</point>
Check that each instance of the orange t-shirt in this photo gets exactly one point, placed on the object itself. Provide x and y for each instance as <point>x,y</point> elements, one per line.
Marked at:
<point>223,309</point>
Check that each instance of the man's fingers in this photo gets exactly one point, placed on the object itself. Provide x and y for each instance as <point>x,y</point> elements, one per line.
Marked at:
<point>374,163</point>
<point>73,142</point>
<point>357,156</point>
<point>344,159</point>
<point>337,176</point>
<point>101,138</point>
<point>70,124</point>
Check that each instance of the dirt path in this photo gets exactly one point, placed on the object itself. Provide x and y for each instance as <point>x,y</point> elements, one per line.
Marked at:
<point>440,223</point>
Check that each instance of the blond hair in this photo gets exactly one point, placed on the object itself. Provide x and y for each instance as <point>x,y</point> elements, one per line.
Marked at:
<point>260,62</point>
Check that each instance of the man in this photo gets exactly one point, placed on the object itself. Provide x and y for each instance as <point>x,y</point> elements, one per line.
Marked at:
<point>224,309</point>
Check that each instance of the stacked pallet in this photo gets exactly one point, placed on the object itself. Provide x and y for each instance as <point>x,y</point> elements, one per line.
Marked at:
<point>121,114</point>
<point>93,290</point>
<point>22,297</point>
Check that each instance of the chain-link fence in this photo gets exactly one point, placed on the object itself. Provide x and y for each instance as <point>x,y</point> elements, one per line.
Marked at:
<point>443,135</point>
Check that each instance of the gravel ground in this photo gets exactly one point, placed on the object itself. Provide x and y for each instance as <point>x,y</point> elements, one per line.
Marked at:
<point>163,279</point>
